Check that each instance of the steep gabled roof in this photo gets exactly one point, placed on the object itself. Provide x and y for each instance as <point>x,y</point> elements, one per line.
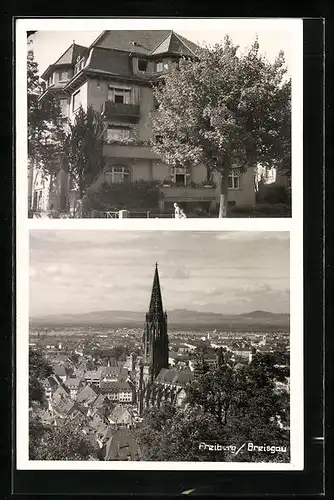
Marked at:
<point>70,55</point>
<point>110,54</point>
<point>86,395</point>
<point>174,44</point>
<point>120,413</point>
<point>135,41</point>
<point>68,58</point>
<point>121,445</point>
<point>146,42</point>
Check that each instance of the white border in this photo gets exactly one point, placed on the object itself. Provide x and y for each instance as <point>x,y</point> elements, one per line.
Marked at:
<point>294,226</point>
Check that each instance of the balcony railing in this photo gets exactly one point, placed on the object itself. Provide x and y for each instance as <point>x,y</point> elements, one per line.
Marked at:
<point>118,109</point>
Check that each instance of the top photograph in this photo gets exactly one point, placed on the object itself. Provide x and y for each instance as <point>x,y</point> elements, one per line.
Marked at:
<point>159,123</point>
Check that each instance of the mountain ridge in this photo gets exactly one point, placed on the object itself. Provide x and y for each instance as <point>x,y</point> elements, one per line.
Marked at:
<point>175,316</point>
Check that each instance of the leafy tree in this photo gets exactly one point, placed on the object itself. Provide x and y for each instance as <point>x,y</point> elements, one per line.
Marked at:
<point>213,391</point>
<point>44,122</point>
<point>224,110</point>
<point>65,441</point>
<point>83,149</point>
<point>175,434</point>
<point>39,369</point>
<point>227,406</point>
<point>75,358</point>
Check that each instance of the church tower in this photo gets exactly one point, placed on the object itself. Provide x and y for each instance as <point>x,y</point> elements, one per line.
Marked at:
<point>155,339</point>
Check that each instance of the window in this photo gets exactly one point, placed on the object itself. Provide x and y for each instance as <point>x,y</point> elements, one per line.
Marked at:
<point>63,106</point>
<point>118,134</point>
<point>234,180</point>
<point>142,65</point>
<point>50,80</point>
<point>120,95</point>
<point>180,175</point>
<point>63,76</point>
<point>79,65</point>
<point>76,100</point>
<point>161,66</point>
<point>119,174</point>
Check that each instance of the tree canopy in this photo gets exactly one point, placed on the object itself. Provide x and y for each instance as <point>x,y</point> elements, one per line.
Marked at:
<point>39,369</point>
<point>225,110</point>
<point>44,121</point>
<point>228,406</point>
<point>83,148</point>
<point>61,442</point>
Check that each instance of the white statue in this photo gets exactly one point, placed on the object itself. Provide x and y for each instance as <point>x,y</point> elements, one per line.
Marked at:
<point>177,211</point>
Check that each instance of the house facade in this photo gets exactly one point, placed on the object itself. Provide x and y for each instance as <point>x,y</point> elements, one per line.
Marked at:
<point>115,75</point>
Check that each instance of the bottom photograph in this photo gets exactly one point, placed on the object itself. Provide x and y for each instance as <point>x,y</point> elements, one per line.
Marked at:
<point>159,346</point>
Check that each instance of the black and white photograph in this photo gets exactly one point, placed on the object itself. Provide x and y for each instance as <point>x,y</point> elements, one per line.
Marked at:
<point>160,346</point>
<point>179,122</point>
<point>143,343</point>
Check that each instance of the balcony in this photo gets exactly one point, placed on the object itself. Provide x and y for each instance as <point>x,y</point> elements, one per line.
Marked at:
<point>117,109</point>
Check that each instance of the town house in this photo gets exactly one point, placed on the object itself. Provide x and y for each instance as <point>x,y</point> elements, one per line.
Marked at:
<point>115,75</point>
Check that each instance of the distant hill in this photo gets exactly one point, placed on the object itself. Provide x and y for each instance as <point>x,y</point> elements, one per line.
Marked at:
<point>176,318</point>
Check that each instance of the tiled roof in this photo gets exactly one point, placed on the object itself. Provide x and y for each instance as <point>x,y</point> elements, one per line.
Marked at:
<point>178,356</point>
<point>51,382</point>
<point>63,406</point>
<point>61,391</point>
<point>175,377</point>
<point>110,61</point>
<point>70,55</point>
<point>120,413</point>
<point>97,425</point>
<point>68,58</point>
<point>59,370</point>
<point>136,41</point>
<point>121,445</point>
<point>110,53</point>
<point>79,372</point>
<point>86,395</point>
<point>73,382</point>
<point>108,370</point>
<point>117,386</point>
<point>174,44</point>
<point>92,374</point>
<point>98,402</point>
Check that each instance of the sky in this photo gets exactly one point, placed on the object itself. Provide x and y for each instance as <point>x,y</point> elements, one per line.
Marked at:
<point>48,46</point>
<point>227,272</point>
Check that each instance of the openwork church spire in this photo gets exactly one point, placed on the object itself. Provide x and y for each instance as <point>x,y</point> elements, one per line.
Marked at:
<point>156,307</point>
<point>155,339</point>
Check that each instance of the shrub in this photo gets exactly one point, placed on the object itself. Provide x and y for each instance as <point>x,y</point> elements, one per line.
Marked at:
<point>272,194</point>
<point>261,210</point>
<point>135,196</point>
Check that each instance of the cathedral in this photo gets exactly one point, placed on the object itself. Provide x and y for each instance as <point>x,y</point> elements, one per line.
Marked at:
<point>155,382</point>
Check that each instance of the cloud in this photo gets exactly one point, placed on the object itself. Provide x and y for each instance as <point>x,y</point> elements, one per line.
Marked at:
<point>253,235</point>
<point>75,271</point>
<point>179,274</point>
